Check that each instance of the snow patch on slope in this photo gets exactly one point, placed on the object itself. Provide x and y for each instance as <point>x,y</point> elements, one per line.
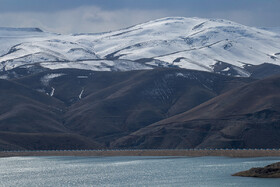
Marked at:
<point>4,77</point>
<point>52,92</point>
<point>80,95</point>
<point>47,78</point>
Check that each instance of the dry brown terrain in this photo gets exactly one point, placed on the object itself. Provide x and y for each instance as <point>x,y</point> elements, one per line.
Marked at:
<point>244,117</point>
<point>149,109</point>
<point>192,153</point>
<point>113,105</point>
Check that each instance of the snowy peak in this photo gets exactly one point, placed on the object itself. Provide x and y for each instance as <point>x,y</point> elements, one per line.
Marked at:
<point>191,43</point>
<point>212,45</point>
<point>177,25</point>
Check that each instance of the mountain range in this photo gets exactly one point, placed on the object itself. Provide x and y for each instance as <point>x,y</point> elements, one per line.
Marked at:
<point>168,83</point>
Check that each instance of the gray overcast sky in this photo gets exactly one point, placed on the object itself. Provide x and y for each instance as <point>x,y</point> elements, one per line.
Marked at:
<point>72,16</point>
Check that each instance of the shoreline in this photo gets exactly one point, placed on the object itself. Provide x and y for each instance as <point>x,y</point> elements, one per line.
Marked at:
<point>238,153</point>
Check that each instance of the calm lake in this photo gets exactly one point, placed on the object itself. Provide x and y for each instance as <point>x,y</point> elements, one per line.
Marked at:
<point>130,171</point>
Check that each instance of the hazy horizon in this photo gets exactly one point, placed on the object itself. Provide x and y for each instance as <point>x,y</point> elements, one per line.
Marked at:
<point>85,16</point>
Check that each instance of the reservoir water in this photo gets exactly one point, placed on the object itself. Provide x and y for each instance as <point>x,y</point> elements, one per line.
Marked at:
<point>130,171</point>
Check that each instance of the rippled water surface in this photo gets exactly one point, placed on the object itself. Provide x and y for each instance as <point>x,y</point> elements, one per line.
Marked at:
<point>130,171</point>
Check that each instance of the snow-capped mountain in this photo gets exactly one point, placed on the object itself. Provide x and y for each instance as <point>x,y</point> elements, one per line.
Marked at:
<point>51,94</point>
<point>192,43</point>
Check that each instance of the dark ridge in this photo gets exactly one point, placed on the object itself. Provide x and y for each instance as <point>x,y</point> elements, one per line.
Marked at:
<point>21,29</point>
<point>263,71</point>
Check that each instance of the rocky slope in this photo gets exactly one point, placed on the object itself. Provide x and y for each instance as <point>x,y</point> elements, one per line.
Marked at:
<point>231,120</point>
<point>270,171</point>
<point>160,108</point>
<point>33,120</point>
<point>100,107</point>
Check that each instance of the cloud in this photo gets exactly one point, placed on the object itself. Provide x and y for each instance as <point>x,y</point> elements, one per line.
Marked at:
<point>82,19</point>
<point>257,18</point>
<point>93,19</point>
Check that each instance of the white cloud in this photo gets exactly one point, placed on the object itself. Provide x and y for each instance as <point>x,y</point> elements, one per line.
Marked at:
<point>82,19</point>
<point>92,19</point>
<point>239,16</point>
